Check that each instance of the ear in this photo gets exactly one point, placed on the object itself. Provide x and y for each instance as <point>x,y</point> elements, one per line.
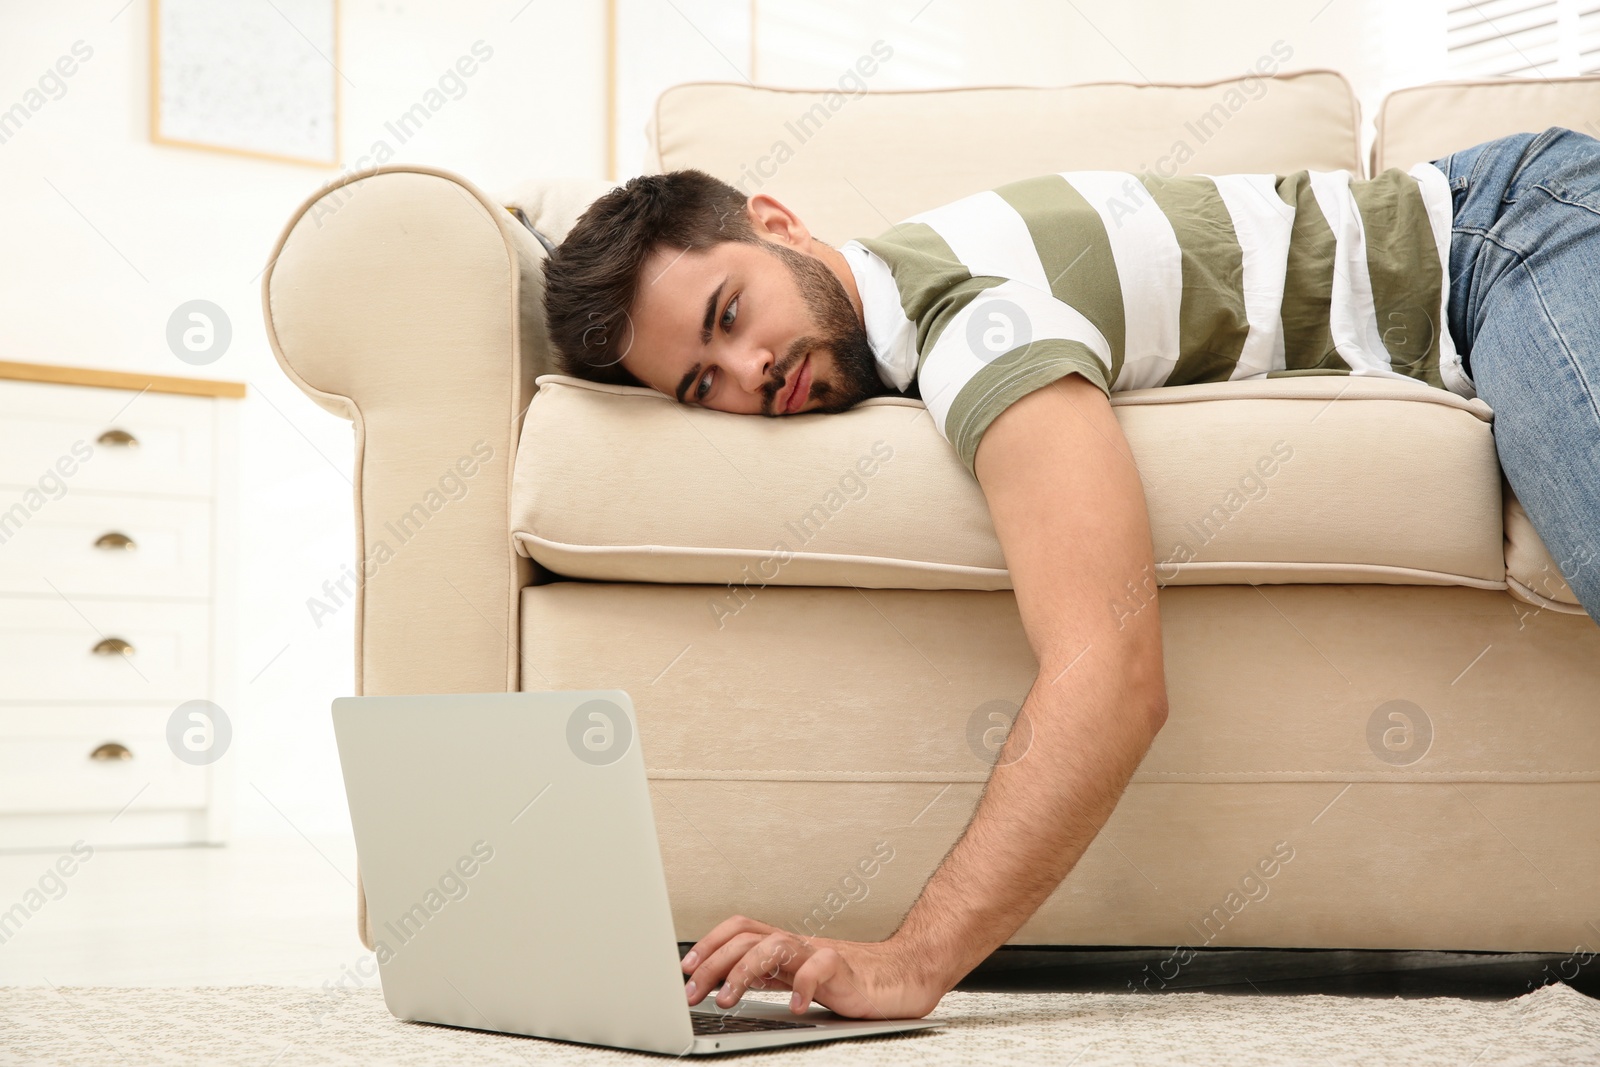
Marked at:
<point>768,216</point>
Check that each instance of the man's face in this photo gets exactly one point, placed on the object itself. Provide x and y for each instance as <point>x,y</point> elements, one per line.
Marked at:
<point>750,329</point>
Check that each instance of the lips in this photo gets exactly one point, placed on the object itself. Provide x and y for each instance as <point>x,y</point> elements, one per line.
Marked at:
<point>801,390</point>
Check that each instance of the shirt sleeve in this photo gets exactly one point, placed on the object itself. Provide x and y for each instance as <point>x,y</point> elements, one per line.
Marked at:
<point>993,340</point>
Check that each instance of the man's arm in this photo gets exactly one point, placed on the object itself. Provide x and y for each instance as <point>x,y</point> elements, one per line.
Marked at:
<point>1070,513</point>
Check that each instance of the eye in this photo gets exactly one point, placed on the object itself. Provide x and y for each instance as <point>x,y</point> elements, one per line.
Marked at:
<point>702,387</point>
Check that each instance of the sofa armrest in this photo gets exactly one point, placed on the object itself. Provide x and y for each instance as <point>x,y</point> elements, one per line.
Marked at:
<point>407,301</point>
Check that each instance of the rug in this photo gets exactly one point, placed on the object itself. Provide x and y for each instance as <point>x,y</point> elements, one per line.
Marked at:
<point>276,1026</point>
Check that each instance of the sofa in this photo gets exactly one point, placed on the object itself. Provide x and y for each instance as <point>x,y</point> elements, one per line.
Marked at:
<point>1384,702</point>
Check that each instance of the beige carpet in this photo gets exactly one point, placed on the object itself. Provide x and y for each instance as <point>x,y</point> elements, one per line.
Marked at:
<point>286,1027</point>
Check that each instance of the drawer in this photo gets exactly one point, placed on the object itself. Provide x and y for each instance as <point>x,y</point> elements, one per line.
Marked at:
<point>47,650</point>
<point>46,764</point>
<point>67,435</point>
<point>88,544</point>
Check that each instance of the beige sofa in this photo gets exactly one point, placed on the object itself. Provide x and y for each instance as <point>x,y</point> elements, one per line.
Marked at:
<point>1385,704</point>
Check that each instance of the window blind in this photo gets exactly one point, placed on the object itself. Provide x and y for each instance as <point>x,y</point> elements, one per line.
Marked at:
<point>1522,38</point>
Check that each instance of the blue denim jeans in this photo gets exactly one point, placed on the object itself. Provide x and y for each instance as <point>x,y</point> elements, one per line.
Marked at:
<point>1524,310</point>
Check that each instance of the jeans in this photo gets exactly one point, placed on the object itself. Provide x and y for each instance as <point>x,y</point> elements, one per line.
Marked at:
<point>1524,311</point>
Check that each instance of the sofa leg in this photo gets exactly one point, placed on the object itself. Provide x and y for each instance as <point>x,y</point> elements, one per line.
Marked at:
<point>363,929</point>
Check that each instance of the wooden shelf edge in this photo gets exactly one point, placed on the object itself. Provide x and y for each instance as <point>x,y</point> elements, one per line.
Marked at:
<point>116,379</point>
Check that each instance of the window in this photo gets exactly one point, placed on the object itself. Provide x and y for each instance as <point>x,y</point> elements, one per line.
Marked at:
<point>1523,38</point>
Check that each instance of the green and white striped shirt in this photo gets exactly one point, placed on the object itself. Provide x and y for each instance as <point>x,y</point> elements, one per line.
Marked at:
<point>1139,281</point>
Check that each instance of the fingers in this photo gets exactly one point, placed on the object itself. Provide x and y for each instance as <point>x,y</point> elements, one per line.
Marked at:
<point>772,960</point>
<point>709,974</point>
<point>823,966</point>
<point>719,935</point>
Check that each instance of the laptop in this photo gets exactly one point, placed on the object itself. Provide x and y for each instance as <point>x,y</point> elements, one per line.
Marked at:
<point>514,881</point>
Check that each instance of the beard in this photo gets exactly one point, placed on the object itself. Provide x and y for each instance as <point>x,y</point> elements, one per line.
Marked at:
<point>855,369</point>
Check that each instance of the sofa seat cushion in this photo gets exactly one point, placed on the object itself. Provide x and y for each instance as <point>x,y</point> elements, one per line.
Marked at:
<point>1305,479</point>
<point>1532,574</point>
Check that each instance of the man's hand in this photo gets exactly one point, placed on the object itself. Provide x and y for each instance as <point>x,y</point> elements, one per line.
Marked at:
<point>862,980</point>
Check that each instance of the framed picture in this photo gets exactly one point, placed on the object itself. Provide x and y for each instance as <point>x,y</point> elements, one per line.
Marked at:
<point>258,80</point>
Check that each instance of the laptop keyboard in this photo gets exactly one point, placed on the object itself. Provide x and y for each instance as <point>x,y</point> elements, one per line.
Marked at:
<point>706,1022</point>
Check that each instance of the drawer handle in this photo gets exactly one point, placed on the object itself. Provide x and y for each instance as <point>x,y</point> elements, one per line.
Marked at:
<point>118,439</point>
<point>113,646</point>
<point>111,750</point>
<point>115,540</point>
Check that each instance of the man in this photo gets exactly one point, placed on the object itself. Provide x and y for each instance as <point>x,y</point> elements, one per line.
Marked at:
<point>1013,313</point>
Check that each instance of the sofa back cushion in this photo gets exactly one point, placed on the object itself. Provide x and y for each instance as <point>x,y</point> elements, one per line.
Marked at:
<point>1425,122</point>
<point>850,165</point>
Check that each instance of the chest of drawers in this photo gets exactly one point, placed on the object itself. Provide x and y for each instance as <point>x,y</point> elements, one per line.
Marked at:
<point>117,532</point>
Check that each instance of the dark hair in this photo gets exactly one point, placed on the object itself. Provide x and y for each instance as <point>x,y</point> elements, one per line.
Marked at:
<point>590,280</point>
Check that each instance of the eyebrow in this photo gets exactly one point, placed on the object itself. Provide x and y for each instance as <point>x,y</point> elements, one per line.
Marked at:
<point>684,383</point>
<point>705,336</point>
<point>711,311</point>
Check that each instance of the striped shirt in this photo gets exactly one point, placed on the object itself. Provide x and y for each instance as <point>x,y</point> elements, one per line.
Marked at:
<point>1139,281</point>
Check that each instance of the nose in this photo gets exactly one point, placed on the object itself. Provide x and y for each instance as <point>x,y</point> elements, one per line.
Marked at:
<point>755,371</point>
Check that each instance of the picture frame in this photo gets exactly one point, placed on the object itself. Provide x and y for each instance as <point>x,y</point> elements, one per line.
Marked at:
<point>260,81</point>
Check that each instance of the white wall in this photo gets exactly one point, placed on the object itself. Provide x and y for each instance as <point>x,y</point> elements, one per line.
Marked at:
<point>104,233</point>
<point>89,275</point>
